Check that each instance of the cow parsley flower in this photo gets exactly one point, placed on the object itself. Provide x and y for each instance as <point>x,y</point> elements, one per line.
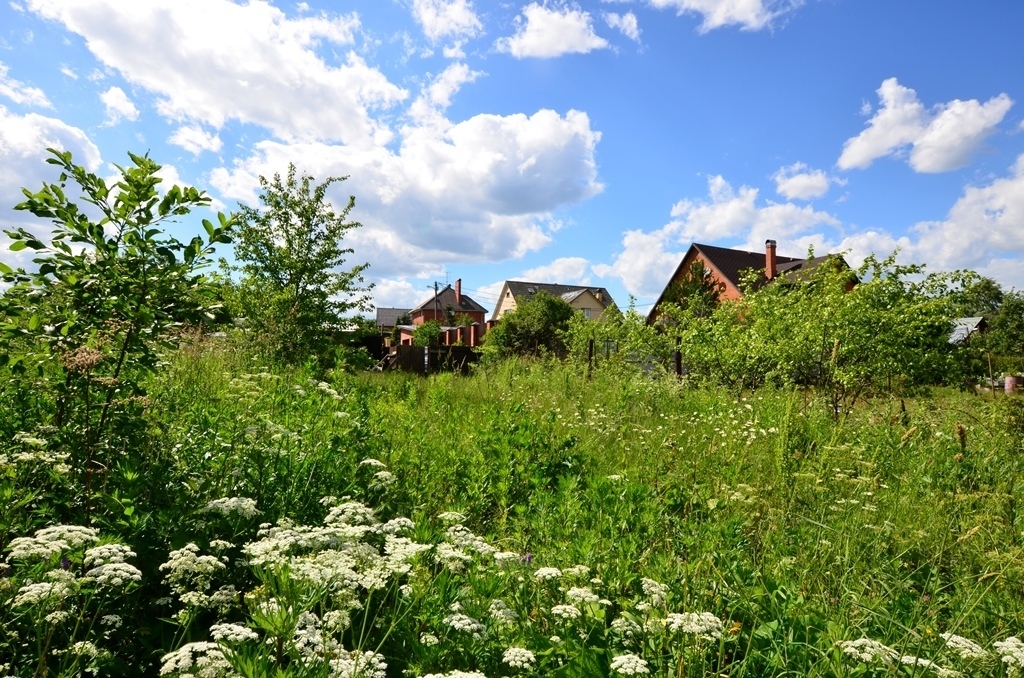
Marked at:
<point>964,647</point>
<point>351,513</point>
<point>429,639</point>
<point>501,613</point>
<point>577,571</point>
<point>42,593</point>
<point>1011,651</point>
<point>629,665</point>
<point>626,627</point>
<point>106,554</point>
<point>243,507</point>
<point>196,660</point>
<point>868,651</point>
<point>233,633</point>
<point>456,674</point>
<point>397,526</point>
<point>463,538</point>
<point>581,594</point>
<point>504,558</point>
<point>703,624</point>
<point>373,463</point>
<point>451,517</point>
<point>547,573</point>
<point>655,592</point>
<point>357,664</point>
<point>186,569</point>
<point>52,541</point>
<point>115,575</point>
<point>518,658</point>
<point>384,479</point>
<point>566,612</point>
<point>465,623</point>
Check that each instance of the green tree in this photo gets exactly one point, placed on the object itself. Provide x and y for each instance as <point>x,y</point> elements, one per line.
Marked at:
<point>427,334</point>
<point>295,289</point>
<point>697,290</point>
<point>535,327</point>
<point>82,329</point>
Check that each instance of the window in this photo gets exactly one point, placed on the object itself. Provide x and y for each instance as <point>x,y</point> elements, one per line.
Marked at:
<point>586,313</point>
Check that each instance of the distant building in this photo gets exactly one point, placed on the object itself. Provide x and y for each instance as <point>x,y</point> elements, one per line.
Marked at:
<point>591,301</point>
<point>965,328</point>
<point>728,266</point>
<point>387,318</point>
<point>446,307</point>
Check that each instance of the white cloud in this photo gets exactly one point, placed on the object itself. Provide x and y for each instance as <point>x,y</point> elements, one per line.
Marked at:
<point>446,18</point>
<point>454,51</point>
<point>750,15</point>
<point>545,32</point>
<point>19,92</point>
<point>195,139</point>
<point>565,270</point>
<point>437,96</point>
<point>479,190</point>
<point>23,143</point>
<point>624,23</point>
<point>119,106</point>
<point>646,260</point>
<point>939,141</point>
<point>196,69</point>
<point>399,293</point>
<point>69,72</point>
<point>799,182</point>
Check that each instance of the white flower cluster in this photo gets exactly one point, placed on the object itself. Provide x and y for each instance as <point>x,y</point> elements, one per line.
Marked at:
<point>566,612</point>
<point>373,463</point>
<point>105,554</point>
<point>868,651</point>
<point>233,633</point>
<point>456,674</point>
<point>451,517</point>
<point>655,592</point>
<point>351,513</point>
<point>429,639</point>
<point>115,575</point>
<point>502,614</point>
<point>629,665</point>
<point>464,623</point>
<point>545,573</point>
<point>462,538</point>
<point>189,572</point>
<point>243,507</point>
<point>505,558</point>
<point>1011,651</point>
<point>626,627</point>
<point>518,658</point>
<point>581,594</point>
<point>196,660</point>
<point>359,665</point>
<point>52,541</point>
<point>964,647</point>
<point>42,593</point>
<point>577,571</point>
<point>703,624</point>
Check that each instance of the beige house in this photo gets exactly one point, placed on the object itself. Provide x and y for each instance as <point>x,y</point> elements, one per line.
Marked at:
<point>591,301</point>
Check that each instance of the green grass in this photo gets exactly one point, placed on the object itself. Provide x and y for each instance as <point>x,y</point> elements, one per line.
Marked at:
<point>897,523</point>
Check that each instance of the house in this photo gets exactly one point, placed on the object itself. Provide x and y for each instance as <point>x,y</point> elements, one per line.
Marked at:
<point>387,318</point>
<point>446,307</point>
<point>965,328</point>
<point>591,301</point>
<point>727,267</point>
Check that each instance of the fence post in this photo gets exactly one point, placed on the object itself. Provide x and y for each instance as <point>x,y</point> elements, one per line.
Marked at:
<point>590,357</point>
<point>679,360</point>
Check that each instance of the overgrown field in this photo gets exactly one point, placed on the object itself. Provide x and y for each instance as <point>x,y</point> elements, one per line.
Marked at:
<point>621,524</point>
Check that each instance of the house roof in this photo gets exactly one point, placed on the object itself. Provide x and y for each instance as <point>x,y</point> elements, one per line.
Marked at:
<point>965,327</point>
<point>446,298</point>
<point>733,263</point>
<point>388,317</point>
<point>523,291</point>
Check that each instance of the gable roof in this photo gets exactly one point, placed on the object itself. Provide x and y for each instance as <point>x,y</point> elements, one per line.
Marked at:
<point>963,328</point>
<point>522,291</point>
<point>446,298</point>
<point>388,317</point>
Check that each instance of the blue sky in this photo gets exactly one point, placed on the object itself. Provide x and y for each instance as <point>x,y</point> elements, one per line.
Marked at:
<point>573,142</point>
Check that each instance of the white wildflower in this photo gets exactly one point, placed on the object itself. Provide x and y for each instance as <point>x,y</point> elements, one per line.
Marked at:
<point>577,571</point>
<point>186,569</point>
<point>106,554</point>
<point>220,545</point>
<point>398,525</point>
<point>703,624</point>
<point>451,517</point>
<point>83,648</point>
<point>626,627</point>
<point>58,617</point>
<point>655,592</point>
<point>504,558</point>
<point>629,665</point>
<point>233,633</point>
<point>452,558</point>
<point>42,593</point>
<point>115,575</point>
<point>547,573</point>
<point>243,507</point>
<point>868,651</point>
<point>465,623</point>
<point>940,671</point>
<point>429,639</point>
<point>501,613</point>
<point>1011,651</point>
<point>196,660</point>
<point>351,513</point>
<point>518,658</point>
<point>111,620</point>
<point>51,541</point>
<point>337,621</point>
<point>456,674</point>
<point>964,647</point>
<point>555,640</point>
<point>463,538</point>
<point>566,612</point>
<point>581,594</point>
<point>357,664</point>
<point>373,463</point>
<point>384,479</point>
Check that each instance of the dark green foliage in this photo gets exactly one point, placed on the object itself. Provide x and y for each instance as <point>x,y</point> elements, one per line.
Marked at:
<point>698,291</point>
<point>536,327</point>
<point>427,334</point>
<point>294,289</point>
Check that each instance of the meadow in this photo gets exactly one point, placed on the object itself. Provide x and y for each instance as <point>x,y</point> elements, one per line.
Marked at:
<point>533,518</point>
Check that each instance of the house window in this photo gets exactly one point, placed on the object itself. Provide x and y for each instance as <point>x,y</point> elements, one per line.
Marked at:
<point>586,313</point>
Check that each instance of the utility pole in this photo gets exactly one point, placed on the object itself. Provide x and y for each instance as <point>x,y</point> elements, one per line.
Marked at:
<point>436,308</point>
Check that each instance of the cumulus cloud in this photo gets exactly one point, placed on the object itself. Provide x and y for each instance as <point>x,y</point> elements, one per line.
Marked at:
<point>546,32</point>
<point>565,270</point>
<point>479,190</point>
<point>119,106</point>
<point>647,259</point>
<point>939,140</point>
<point>750,15</point>
<point>23,143</point>
<point>437,96</point>
<point>446,18</point>
<point>19,92</point>
<point>195,69</point>
<point>624,23</point>
<point>195,139</point>
<point>799,182</point>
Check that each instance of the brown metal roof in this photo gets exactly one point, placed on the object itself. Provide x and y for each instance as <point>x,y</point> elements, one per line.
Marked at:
<point>446,298</point>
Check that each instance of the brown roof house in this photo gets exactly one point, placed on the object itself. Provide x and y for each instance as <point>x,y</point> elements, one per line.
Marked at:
<point>727,267</point>
<point>445,307</point>
<point>591,301</point>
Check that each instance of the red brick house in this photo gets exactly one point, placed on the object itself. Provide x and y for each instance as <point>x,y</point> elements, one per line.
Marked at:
<point>444,307</point>
<point>728,266</point>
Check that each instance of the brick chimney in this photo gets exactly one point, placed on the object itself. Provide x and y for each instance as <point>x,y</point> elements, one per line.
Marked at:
<point>458,292</point>
<point>770,271</point>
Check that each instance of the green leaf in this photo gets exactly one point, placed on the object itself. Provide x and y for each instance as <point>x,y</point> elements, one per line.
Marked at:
<point>34,322</point>
<point>5,269</point>
<point>18,245</point>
